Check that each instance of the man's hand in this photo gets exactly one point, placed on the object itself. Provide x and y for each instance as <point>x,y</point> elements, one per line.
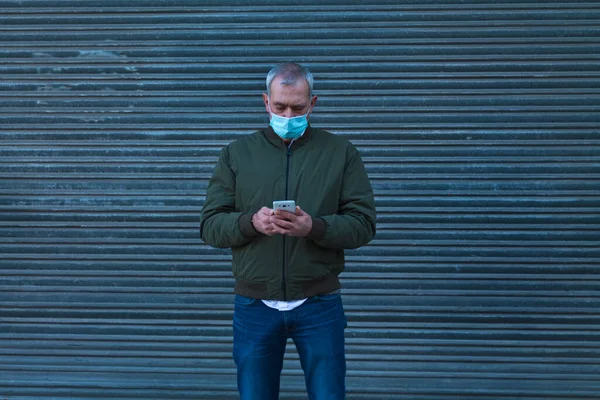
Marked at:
<point>287,223</point>
<point>263,221</point>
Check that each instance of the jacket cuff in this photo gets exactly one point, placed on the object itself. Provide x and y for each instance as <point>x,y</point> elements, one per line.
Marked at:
<point>245,223</point>
<point>319,226</point>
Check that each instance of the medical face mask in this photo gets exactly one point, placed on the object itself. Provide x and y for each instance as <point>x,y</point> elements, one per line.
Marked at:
<point>288,128</point>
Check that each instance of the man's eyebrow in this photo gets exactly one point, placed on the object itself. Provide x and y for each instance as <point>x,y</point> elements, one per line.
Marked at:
<point>281,104</point>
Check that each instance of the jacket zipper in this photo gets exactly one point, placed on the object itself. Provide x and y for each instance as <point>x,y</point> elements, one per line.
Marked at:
<point>287,179</point>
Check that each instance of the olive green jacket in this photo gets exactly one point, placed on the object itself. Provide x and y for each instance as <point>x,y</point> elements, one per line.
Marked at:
<point>326,177</point>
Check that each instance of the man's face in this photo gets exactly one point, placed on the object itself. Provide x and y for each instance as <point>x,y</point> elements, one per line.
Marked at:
<point>289,100</point>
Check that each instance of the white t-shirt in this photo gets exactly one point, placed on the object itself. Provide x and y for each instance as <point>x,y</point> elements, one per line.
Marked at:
<point>284,305</point>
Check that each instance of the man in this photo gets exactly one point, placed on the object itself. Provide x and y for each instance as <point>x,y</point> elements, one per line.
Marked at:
<point>286,264</point>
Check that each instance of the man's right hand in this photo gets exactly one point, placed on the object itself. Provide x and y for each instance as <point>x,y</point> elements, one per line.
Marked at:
<point>262,221</point>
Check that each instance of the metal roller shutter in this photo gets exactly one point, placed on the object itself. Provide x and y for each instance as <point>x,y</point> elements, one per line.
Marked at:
<point>479,126</point>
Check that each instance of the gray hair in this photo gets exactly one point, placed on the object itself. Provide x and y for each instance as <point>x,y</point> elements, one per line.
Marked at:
<point>291,73</point>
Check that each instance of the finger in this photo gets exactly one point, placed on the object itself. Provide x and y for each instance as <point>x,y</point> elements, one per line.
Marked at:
<point>279,230</point>
<point>283,212</point>
<point>300,212</point>
<point>269,229</point>
<point>282,223</point>
<point>264,218</point>
<point>285,215</point>
<point>266,211</point>
<point>273,227</point>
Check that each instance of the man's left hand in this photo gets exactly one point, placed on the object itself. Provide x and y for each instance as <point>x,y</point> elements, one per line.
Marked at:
<point>287,223</point>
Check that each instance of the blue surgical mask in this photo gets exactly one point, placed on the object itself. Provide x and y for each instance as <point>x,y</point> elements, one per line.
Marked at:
<point>289,128</point>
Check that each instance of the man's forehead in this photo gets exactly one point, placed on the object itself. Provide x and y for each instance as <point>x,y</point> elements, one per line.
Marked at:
<point>281,84</point>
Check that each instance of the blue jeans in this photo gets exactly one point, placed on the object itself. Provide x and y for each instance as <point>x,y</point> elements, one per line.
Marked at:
<point>259,337</point>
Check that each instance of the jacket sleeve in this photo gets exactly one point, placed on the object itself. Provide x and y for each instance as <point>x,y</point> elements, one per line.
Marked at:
<point>220,225</point>
<point>354,223</point>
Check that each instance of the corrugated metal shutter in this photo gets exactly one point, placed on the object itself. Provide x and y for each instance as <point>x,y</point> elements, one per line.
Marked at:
<point>479,125</point>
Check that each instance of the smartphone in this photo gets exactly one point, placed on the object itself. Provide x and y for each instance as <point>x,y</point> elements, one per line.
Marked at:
<point>285,205</point>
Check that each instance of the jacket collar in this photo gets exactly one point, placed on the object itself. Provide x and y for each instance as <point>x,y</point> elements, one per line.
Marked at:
<point>277,141</point>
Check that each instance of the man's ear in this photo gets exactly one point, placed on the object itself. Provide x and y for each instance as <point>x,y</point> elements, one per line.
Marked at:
<point>266,101</point>
<point>313,101</point>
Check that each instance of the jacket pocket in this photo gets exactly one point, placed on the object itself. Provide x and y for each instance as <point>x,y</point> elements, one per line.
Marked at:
<point>310,262</point>
<point>258,261</point>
